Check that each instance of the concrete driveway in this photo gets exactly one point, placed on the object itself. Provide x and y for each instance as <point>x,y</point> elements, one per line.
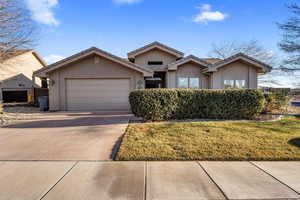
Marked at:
<point>64,136</point>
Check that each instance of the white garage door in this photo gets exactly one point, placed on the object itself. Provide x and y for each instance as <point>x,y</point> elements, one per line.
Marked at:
<point>97,94</point>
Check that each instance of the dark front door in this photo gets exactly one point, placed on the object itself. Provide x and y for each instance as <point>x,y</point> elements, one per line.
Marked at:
<point>14,96</point>
<point>158,81</point>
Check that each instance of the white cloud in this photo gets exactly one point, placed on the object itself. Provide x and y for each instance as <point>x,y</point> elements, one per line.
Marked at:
<point>126,1</point>
<point>206,14</point>
<point>42,11</point>
<point>205,7</point>
<point>52,58</point>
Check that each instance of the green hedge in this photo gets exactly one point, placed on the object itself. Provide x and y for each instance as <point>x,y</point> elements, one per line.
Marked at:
<point>276,102</point>
<point>1,107</point>
<point>163,104</point>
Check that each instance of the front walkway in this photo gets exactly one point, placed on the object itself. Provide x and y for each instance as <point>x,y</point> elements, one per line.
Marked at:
<point>149,180</point>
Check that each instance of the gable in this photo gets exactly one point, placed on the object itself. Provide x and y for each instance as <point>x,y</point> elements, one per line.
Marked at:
<point>189,59</point>
<point>190,68</point>
<point>259,66</point>
<point>88,53</point>
<point>155,45</point>
<point>17,81</point>
<point>236,70</point>
<point>95,66</point>
<point>155,54</point>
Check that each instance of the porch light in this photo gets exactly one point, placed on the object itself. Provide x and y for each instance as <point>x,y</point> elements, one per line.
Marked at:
<point>51,82</point>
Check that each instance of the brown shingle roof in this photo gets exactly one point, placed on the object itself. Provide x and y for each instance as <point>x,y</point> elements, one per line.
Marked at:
<point>86,52</point>
<point>211,60</point>
<point>156,44</point>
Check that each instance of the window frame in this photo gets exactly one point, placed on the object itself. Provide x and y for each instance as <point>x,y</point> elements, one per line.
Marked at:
<point>198,84</point>
<point>231,84</point>
<point>178,82</point>
<point>234,84</point>
<point>188,82</point>
<point>243,85</point>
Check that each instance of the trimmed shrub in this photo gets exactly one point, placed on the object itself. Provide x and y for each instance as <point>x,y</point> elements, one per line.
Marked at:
<point>153,104</point>
<point>276,102</point>
<point>1,107</point>
<point>163,104</point>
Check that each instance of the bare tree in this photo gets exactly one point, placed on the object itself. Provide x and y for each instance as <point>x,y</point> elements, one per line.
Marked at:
<point>290,42</point>
<point>251,48</point>
<point>16,28</point>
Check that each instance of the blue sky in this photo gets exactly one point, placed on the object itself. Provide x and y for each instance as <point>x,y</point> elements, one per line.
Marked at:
<point>120,26</point>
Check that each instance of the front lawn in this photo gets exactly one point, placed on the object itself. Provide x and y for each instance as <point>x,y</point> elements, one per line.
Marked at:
<point>229,140</point>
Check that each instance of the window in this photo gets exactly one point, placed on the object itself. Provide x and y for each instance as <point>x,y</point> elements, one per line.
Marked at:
<point>231,84</point>
<point>185,82</point>
<point>194,83</point>
<point>155,63</point>
<point>228,84</point>
<point>240,84</point>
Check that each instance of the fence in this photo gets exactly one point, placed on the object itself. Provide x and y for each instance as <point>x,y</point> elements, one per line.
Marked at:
<point>39,92</point>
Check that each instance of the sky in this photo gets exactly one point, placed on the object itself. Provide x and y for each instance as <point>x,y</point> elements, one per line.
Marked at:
<point>119,26</point>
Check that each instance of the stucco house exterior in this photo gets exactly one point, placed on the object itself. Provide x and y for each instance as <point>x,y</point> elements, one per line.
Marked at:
<point>16,73</point>
<point>97,80</point>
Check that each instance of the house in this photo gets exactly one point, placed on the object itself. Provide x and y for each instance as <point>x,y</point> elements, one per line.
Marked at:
<point>16,75</point>
<point>97,80</point>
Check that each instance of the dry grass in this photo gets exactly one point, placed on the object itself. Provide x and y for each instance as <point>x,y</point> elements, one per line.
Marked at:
<point>13,113</point>
<point>243,140</point>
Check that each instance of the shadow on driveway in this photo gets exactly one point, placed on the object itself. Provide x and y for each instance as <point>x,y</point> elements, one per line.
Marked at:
<point>72,122</point>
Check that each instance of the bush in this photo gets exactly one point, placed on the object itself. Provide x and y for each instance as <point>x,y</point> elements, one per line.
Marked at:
<point>163,104</point>
<point>276,102</point>
<point>1,107</point>
<point>153,104</point>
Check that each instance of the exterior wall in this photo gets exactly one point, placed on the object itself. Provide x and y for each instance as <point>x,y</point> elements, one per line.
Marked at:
<point>154,55</point>
<point>22,67</point>
<point>25,64</point>
<point>92,67</point>
<point>171,77</point>
<point>235,71</point>
<point>188,70</point>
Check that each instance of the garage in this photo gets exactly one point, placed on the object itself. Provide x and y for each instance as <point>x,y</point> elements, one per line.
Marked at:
<point>97,94</point>
<point>93,80</point>
<point>14,96</point>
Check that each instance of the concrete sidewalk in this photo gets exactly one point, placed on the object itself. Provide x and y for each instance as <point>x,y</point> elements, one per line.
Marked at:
<point>148,180</point>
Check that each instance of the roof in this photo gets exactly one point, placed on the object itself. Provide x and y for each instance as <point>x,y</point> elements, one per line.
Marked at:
<point>19,52</point>
<point>173,66</point>
<point>211,60</point>
<point>154,45</point>
<point>240,56</point>
<point>88,52</point>
<point>12,77</point>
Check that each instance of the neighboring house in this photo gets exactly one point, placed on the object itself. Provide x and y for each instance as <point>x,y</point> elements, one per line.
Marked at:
<point>96,80</point>
<point>16,75</point>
